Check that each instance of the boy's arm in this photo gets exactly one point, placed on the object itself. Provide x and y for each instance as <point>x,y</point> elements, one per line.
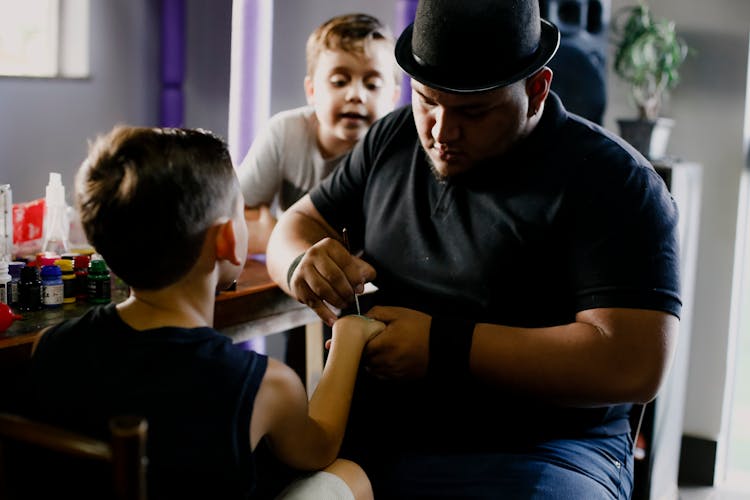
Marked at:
<point>260,172</point>
<point>308,436</point>
<point>260,223</point>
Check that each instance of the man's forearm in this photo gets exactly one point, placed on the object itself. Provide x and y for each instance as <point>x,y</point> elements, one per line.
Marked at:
<point>582,363</point>
<point>297,229</point>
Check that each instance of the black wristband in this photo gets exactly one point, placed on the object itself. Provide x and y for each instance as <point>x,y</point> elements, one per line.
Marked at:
<point>292,268</point>
<point>450,346</point>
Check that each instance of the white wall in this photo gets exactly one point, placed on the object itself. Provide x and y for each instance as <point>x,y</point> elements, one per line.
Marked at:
<point>708,107</point>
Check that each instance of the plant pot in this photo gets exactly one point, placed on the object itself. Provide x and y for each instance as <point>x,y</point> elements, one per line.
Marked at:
<point>649,137</point>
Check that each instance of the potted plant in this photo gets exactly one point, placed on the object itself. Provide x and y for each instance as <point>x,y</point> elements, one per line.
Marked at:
<point>648,57</point>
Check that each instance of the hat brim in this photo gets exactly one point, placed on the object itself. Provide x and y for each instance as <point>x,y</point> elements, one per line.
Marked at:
<point>446,80</point>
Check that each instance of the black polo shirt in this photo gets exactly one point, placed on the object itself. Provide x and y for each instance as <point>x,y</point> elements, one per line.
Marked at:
<point>571,219</point>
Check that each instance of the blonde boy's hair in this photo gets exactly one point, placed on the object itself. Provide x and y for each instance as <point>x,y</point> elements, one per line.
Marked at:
<point>350,33</point>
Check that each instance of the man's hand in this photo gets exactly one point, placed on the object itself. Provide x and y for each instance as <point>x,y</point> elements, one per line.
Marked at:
<point>401,351</point>
<point>328,272</point>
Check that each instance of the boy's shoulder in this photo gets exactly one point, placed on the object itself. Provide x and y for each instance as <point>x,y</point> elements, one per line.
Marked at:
<point>290,127</point>
<point>76,332</point>
<point>295,116</point>
<point>102,324</point>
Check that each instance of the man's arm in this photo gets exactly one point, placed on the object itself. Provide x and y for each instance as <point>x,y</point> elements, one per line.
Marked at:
<point>606,356</point>
<point>324,270</point>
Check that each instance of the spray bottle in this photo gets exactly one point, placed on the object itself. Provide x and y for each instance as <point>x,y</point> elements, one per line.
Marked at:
<point>56,226</point>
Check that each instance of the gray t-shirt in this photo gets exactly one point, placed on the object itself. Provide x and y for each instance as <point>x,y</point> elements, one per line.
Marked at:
<point>284,161</point>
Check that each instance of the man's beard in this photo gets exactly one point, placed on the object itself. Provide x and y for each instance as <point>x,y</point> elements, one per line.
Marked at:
<point>438,176</point>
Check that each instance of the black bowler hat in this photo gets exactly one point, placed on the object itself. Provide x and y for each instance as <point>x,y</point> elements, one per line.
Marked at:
<point>465,46</point>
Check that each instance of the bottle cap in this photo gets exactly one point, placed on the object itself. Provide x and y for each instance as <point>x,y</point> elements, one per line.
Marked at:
<point>82,261</point>
<point>97,266</point>
<point>65,265</point>
<point>51,271</point>
<point>46,258</point>
<point>29,273</point>
<point>14,268</point>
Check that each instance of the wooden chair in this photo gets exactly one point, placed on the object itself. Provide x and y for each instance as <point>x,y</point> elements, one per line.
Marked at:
<point>36,456</point>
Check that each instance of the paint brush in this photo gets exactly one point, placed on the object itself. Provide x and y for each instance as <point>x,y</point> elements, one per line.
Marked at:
<point>346,245</point>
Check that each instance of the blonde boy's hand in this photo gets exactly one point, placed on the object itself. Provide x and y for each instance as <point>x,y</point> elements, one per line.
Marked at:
<point>260,223</point>
<point>356,327</point>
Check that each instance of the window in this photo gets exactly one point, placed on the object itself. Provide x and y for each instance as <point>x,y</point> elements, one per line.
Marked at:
<point>738,442</point>
<point>738,460</point>
<point>44,38</point>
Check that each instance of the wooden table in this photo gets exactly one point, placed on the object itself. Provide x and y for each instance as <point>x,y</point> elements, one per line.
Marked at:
<point>256,308</point>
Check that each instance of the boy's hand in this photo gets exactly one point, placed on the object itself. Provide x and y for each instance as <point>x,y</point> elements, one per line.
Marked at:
<point>260,222</point>
<point>355,326</point>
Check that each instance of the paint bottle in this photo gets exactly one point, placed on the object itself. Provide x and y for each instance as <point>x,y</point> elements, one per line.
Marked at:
<point>99,283</point>
<point>4,282</point>
<point>14,269</point>
<point>68,279</point>
<point>52,286</point>
<point>30,289</point>
<point>81,271</point>
<point>56,227</point>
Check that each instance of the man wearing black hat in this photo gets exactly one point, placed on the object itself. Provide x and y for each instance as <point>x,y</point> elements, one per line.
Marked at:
<point>527,267</point>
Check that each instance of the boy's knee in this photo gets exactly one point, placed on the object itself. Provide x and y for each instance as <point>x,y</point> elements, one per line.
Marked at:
<point>342,480</point>
<point>354,477</point>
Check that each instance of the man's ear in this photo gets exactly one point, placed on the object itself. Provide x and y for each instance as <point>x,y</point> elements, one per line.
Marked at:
<point>309,90</point>
<point>226,243</point>
<point>537,89</point>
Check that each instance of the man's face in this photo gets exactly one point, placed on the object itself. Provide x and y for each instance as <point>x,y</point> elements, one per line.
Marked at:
<point>350,91</point>
<point>458,131</point>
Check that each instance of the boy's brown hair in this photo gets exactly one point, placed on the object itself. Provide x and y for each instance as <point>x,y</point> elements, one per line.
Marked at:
<point>349,33</point>
<point>147,196</point>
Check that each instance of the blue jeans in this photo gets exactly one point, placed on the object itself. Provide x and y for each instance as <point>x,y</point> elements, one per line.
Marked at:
<point>580,469</point>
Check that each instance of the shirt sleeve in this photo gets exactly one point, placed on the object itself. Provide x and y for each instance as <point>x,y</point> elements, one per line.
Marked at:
<point>625,248</point>
<point>260,172</point>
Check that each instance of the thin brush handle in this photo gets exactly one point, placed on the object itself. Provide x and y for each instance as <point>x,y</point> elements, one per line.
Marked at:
<point>346,244</point>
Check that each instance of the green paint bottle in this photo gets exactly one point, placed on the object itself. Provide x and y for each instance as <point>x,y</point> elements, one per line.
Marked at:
<point>99,285</point>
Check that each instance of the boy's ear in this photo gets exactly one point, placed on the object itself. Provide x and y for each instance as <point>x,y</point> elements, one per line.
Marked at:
<point>309,89</point>
<point>226,243</point>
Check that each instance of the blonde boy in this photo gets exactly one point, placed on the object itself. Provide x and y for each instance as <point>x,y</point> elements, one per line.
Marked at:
<point>351,81</point>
